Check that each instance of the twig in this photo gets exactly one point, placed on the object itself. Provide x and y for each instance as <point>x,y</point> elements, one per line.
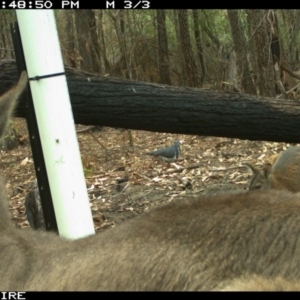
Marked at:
<point>85,129</point>
<point>99,144</point>
<point>143,196</point>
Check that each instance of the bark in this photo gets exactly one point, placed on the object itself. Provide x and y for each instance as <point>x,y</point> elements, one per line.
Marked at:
<point>199,44</point>
<point>241,52</point>
<point>102,44</point>
<point>163,56</point>
<point>138,105</point>
<point>180,70</point>
<point>187,51</point>
<point>6,47</point>
<point>119,24</point>
<point>86,32</point>
<point>266,76</point>
<point>67,36</point>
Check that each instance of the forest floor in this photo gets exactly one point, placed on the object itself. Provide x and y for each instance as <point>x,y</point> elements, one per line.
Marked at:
<point>207,165</point>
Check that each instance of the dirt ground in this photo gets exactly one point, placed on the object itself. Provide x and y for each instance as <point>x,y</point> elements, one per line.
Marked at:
<point>207,165</point>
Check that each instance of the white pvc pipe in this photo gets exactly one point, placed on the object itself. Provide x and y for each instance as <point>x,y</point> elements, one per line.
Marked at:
<point>56,124</point>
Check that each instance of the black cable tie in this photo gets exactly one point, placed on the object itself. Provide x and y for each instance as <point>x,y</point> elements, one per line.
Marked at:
<point>46,76</point>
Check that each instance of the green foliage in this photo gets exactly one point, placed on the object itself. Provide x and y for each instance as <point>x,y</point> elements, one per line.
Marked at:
<point>218,23</point>
<point>88,171</point>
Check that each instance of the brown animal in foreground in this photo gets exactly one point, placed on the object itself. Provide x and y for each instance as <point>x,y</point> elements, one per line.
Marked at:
<point>203,243</point>
<point>257,283</point>
<point>282,174</point>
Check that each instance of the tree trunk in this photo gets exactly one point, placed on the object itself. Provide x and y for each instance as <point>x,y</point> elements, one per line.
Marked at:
<point>143,106</point>
<point>292,23</point>
<point>182,72</point>
<point>119,24</point>
<point>85,25</point>
<point>102,44</point>
<point>199,44</point>
<point>266,76</point>
<point>187,51</point>
<point>6,47</point>
<point>94,41</point>
<point>163,55</point>
<point>67,38</point>
<point>243,71</point>
<point>251,46</point>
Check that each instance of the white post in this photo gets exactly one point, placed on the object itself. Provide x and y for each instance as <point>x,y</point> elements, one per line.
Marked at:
<point>56,124</point>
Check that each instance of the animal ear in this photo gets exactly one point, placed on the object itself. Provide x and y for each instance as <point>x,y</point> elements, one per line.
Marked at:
<point>8,101</point>
<point>267,169</point>
<point>273,158</point>
<point>259,177</point>
<point>252,168</point>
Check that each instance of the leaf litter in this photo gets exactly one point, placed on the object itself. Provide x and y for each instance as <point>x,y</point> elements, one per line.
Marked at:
<point>123,182</point>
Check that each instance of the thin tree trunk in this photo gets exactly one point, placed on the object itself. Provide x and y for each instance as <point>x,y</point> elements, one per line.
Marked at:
<point>6,18</point>
<point>243,71</point>
<point>199,44</point>
<point>120,30</point>
<point>266,76</point>
<point>187,51</point>
<point>182,74</point>
<point>163,56</point>
<point>102,44</point>
<point>88,45</point>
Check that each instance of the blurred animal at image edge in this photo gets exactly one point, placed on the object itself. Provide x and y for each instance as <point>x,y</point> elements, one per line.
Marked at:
<point>282,173</point>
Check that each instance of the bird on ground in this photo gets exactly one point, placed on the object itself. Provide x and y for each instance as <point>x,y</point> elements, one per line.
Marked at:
<point>169,153</point>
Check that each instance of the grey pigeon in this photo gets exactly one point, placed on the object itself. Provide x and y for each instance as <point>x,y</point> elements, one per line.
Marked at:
<point>169,153</point>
